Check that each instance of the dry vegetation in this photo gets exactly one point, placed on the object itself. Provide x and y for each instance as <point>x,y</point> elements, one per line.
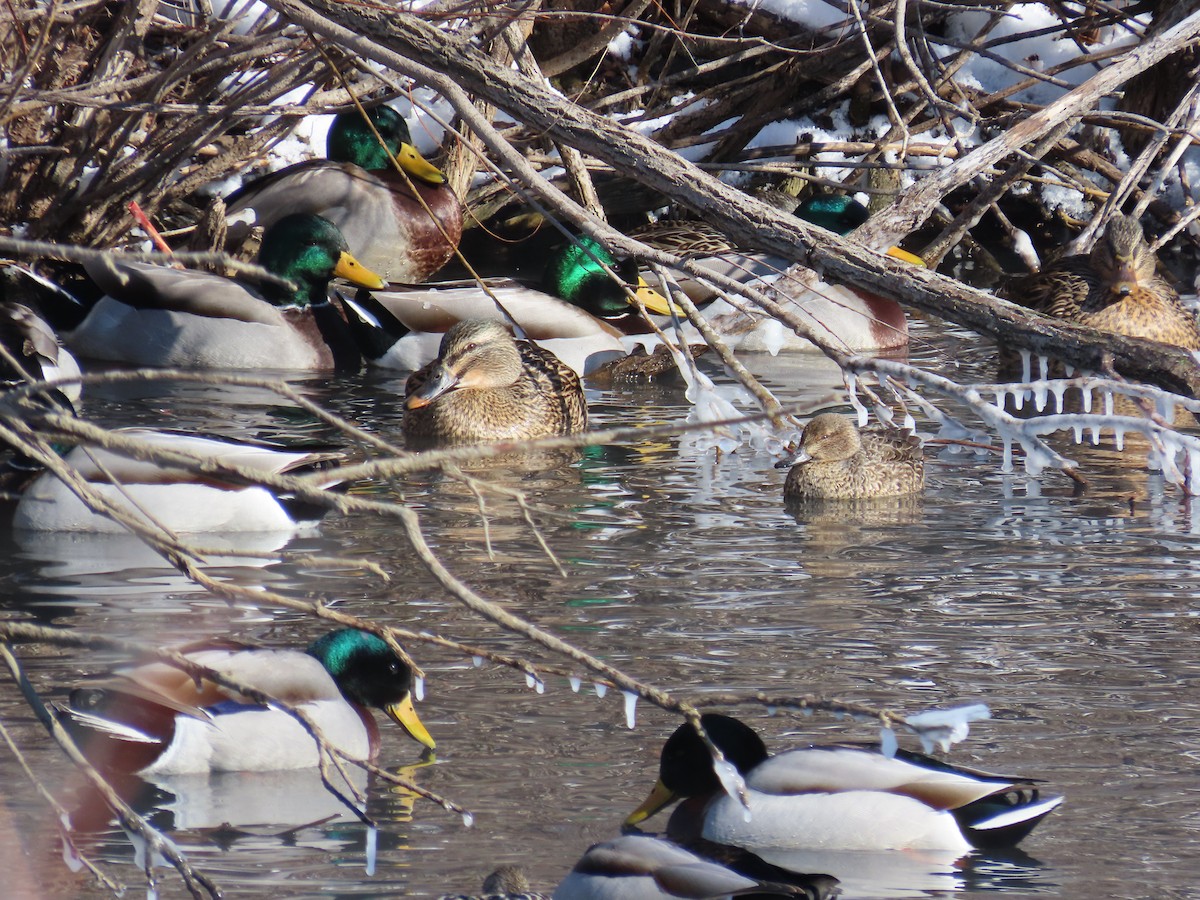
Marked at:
<point>107,103</point>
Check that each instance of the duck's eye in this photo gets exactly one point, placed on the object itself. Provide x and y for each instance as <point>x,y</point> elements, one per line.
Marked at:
<point>471,346</point>
<point>394,667</point>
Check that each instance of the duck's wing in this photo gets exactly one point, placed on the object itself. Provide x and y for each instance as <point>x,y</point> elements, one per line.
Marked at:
<point>844,768</point>
<point>889,445</point>
<point>435,307</point>
<point>556,383</point>
<point>147,286</point>
<point>1059,290</point>
<point>92,462</point>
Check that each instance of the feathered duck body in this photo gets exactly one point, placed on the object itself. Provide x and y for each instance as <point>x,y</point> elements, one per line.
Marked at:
<point>486,387</point>
<point>638,867</point>
<point>851,319</point>
<point>35,348</point>
<point>158,316</point>
<point>156,719</point>
<point>181,500</point>
<point>580,314</point>
<point>381,212</point>
<point>836,798</point>
<point>838,461</point>
<point>1114,288</point>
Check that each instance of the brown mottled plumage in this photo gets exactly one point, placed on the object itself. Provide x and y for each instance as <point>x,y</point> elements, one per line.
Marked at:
<point>836,461</point>
<point>1114,288</point>
<point>485,386</point>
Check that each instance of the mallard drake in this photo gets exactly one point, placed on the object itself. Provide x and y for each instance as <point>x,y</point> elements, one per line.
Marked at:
<point>159,316</point>
<point>580,314</point>
<point>840,797</point>
<point>34,348</point>
<point>359,190</point>
<point>851,319</point>
<point>155,719</point>
<point>837,461</point>
<point>638,867</point>
<point>485,386</point>
<point>1113,288</point>
<point>183,501</point>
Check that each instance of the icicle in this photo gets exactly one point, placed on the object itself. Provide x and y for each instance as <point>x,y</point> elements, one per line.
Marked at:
<point>1119,436</point>
<point>1108,402</point>
<point>1006,464</point>
<point>1086,393</point>
<point>419,687</point>
<point>1058,389</point>
<point>1018,398</point>
<point>946,726</point>
<point>1068,369</point>
<point>1026,374</point>
<point>576,683</point>
<point>601,689</point>
<point>888,744</point>
<point>70,858</point>
<point>468,819</point>
<point>1166,408</point>
<point>477,661</point>
<point>1078,429</point>
<point>863,415</point>
<point>1001,395</point>
<point>1039,395</point>
<point>1193,463</point>
<point>733,784</point>
<point>631,700</point>
<point>532,681</point>
<point>910,424</point>
<point>1095,434</point>
<point>372,848</point>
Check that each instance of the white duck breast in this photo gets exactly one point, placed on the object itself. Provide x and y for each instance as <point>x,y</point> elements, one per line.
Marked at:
<point>175,498</point>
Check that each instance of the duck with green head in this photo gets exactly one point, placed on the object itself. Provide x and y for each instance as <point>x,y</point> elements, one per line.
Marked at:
<point>580,314</point>
<point>158,316</point>
<point>852,320</point>
<point>381,211</point>
<point>155,719</point>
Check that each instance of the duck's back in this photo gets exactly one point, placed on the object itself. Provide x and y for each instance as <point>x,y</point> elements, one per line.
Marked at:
<point>384,223</point>
<point>890,464</point>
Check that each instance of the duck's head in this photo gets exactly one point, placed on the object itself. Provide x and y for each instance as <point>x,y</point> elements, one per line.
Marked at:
<point>575,273</point>
<point>1122,257</point>
<point>309,251</point>
<point>370,674</point>
<point>685,767</point>
<point>352,140</point>
<point>841,214</point>
<point>826,438</point>
<point>475,354</point>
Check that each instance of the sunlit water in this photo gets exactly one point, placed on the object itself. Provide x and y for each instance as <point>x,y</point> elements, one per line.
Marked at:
<point>1073,618</point>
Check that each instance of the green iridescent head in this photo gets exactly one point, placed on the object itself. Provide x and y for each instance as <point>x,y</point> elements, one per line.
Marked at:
<point>309,251</point>
<point>574,273</point>
<point>834,212</point>
<point>351,140</point>
<point>370,674</point>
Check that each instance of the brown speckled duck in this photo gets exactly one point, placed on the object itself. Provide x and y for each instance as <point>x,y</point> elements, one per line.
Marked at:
<point>1113,288</point>
<point>836,461</point>
<point>485,386</point>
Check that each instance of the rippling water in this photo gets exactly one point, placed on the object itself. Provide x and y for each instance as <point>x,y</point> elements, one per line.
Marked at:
<point>1074,618</point>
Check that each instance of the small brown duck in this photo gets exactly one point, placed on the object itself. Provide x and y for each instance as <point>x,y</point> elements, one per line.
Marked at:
<point>1113,288</point>
<point>836,461</point>
<point>485,387</point>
